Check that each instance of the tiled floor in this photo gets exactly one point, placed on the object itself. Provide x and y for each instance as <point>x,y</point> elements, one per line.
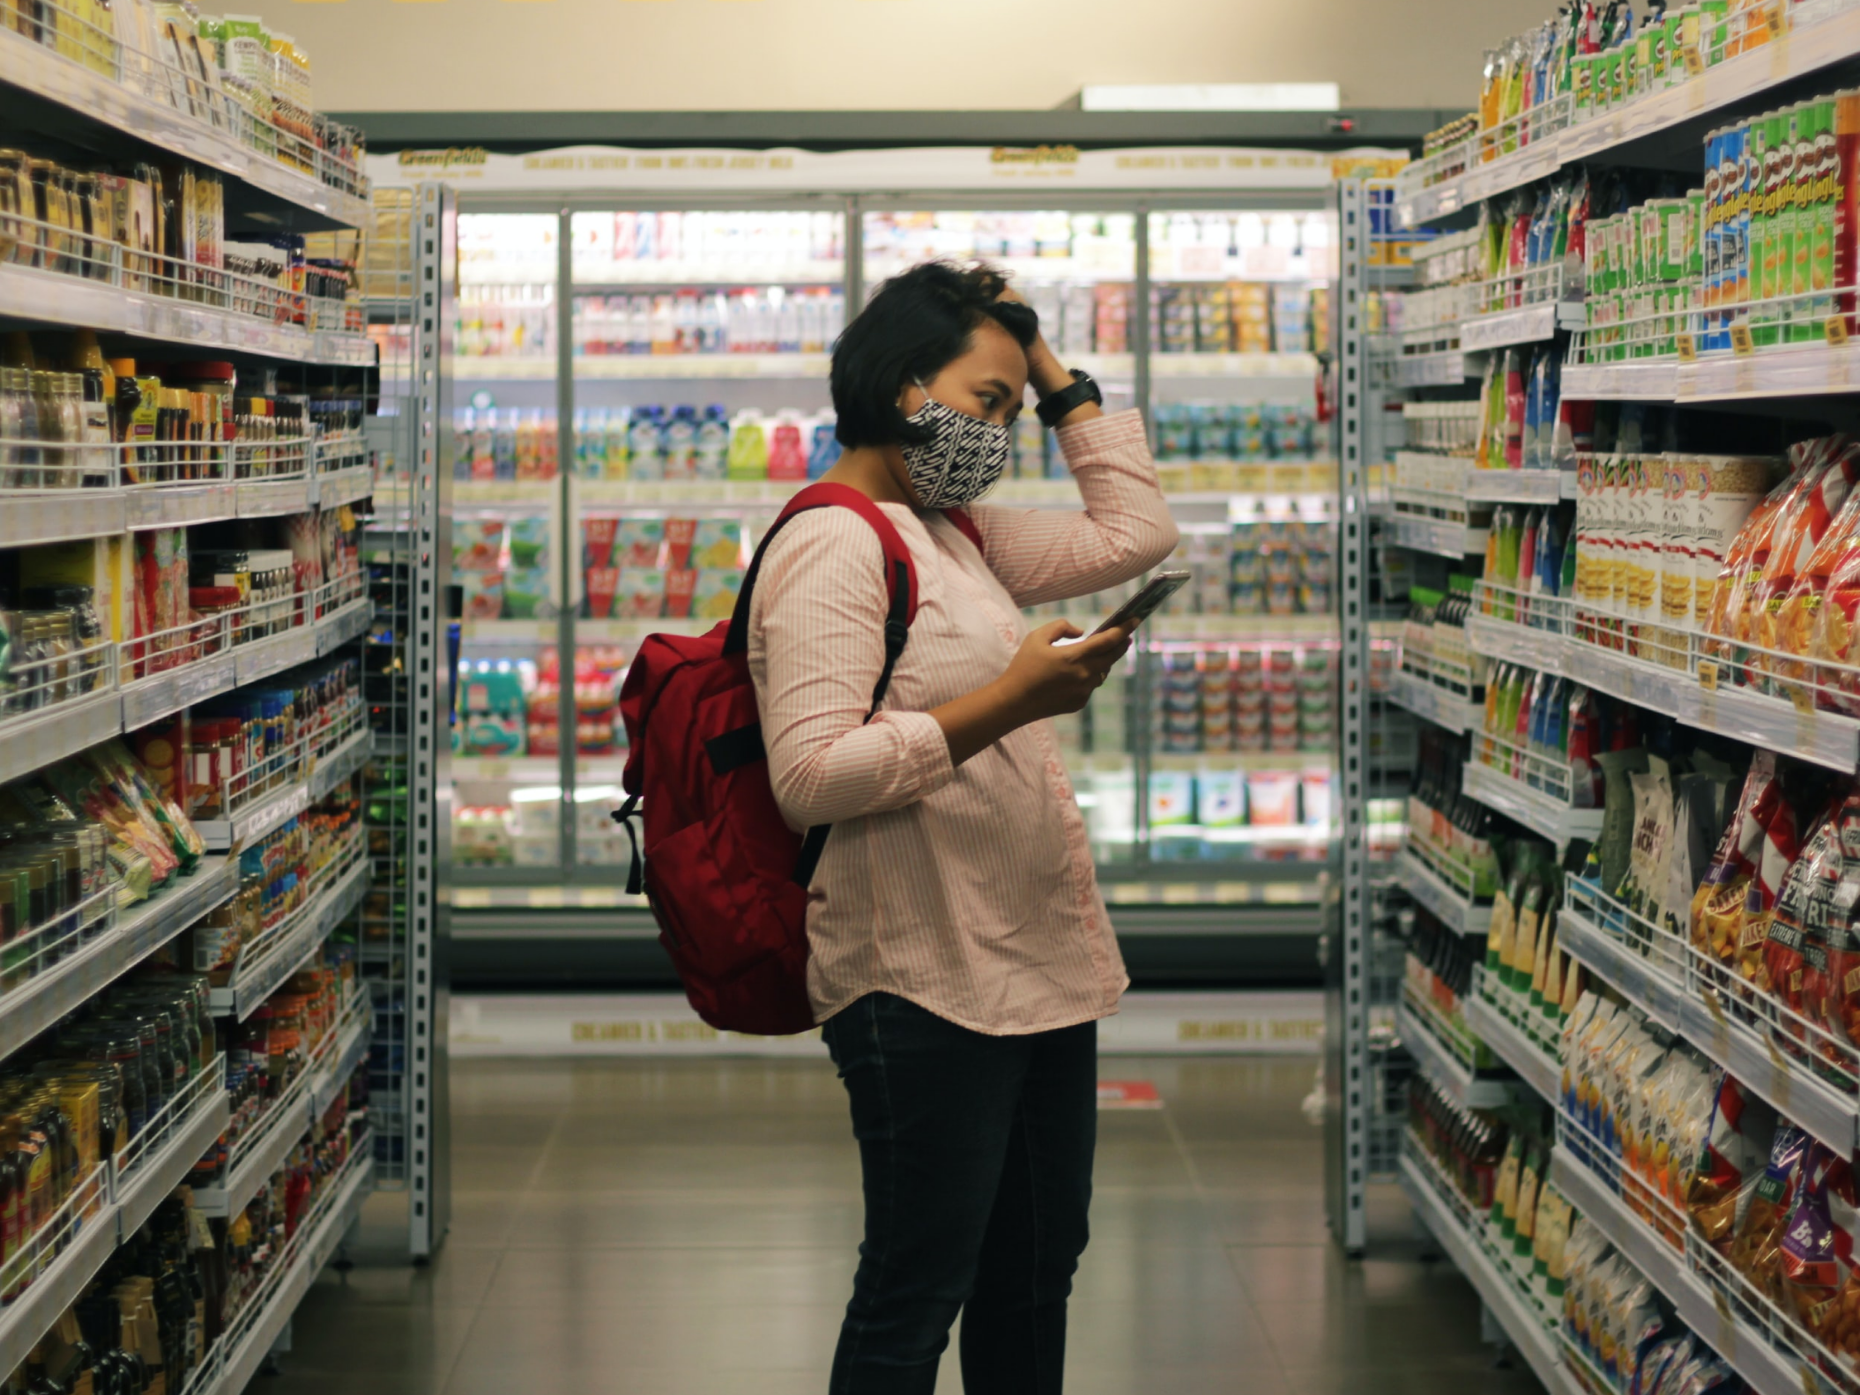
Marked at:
<point>688,1227</point>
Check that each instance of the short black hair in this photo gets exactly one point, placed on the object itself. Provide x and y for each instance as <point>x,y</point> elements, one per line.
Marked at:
<point>918,323</point>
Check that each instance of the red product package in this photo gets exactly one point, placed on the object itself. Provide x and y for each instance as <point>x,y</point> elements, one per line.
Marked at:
<point>1832,997</point>
<point>1795,542</point>
<point>597,535</point>
<point>603,585</point>
<point>1795,952</point>
<point>679,533</point>
<point>1749,551</point>
<point>1781,847</point>
<point>680,587</point>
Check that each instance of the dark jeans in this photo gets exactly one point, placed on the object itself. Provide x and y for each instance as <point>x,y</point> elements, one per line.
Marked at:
<point>977,1155</point>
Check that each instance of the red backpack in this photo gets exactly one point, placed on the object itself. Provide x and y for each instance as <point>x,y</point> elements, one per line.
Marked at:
<point>725,877</point>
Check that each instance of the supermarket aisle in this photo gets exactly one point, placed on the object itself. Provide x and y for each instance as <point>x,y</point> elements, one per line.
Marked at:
<point>687,1227</point>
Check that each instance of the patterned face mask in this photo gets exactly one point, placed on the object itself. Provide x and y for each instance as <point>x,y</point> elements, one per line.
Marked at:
<point>962,459</point>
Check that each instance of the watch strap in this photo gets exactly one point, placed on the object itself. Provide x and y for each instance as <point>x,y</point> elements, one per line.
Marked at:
<point>1055,407</point>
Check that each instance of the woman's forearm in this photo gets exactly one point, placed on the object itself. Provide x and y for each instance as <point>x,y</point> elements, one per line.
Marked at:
<point>975,721</point>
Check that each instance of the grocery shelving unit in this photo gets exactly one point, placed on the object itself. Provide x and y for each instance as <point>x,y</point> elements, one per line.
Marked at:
<point>95,91</point>
<point>1678,989</point>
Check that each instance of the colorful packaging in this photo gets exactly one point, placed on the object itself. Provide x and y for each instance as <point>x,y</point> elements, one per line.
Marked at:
<point>715,596</point>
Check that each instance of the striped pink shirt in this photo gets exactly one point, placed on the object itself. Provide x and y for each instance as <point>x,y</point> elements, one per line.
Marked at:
<point>968,890</point>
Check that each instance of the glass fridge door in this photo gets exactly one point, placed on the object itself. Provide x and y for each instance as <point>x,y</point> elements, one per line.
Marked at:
<point>1241,674</point>
<point>1077,268</point>
<point>507,786</point>
<point>699,353</point>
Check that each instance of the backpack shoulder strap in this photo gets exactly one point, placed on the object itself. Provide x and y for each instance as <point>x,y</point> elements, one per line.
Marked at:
<point>966,526</point>
<point>900,585</point>
<point>900,574</point>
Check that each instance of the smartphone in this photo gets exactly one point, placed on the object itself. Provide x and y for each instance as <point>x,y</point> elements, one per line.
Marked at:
<point>1146,602</point>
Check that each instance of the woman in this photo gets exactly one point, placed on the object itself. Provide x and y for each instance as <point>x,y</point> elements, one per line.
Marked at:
<point>961,953</point>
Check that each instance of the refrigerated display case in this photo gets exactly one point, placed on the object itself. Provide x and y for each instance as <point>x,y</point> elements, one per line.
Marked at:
<point>641,383</point>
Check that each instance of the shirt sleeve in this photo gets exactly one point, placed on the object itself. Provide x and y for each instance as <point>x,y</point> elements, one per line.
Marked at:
<point>819,612</point>
<point>1125,529</point>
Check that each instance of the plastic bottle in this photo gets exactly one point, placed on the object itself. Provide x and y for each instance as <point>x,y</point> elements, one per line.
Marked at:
<point>642,440</point>
<point>786,459</point>
<point>678,443</point>
<point>713,444</point>
<point>749,450</point>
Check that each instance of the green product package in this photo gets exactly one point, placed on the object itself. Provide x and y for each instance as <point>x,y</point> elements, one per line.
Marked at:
<point>1767,151</point>
<point>1820,189</point>
<point>1615,844</point>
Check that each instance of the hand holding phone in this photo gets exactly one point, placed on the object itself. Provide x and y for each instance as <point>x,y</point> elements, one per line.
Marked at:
<point>1145,603</point>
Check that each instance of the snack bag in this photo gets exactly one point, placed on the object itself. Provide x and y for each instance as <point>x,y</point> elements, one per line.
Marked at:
<point>1798,622</point>
<point>1811,1261</point>
<point>1745,558</point>
<point>1793,545</point>
<point>1737,1139</point>
<point>1795,955</point>
<point>1834,627</point>
<point>1651,839</point>
<point>1718,904</point>
<point>1756,1246</point>
<point>1832,997</point>
<point>1781,848</point>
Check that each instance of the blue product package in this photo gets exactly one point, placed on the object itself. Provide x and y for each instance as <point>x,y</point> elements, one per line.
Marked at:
<point>1533,411</point>
<point>1547,410</point>
<point>824,451</point>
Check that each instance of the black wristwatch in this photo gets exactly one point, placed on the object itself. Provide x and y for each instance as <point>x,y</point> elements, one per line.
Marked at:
<point>1054,409</point>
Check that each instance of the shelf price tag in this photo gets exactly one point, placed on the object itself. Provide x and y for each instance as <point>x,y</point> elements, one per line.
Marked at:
<point>1741,344</point>
<point>1835,329</point>
<point>1688,348</point>
<point>1708,675</point>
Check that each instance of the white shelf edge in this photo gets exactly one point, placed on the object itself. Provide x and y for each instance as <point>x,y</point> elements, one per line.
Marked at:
<point>30,1316</point>
<point>1509,1043</point>
<point>1435,704</point>
<point>77,303</point>
<point>1628,973</point>
<point>138,1195</point>
<point>1534,809</point>
<point>1444,1068</point>
<point>42,1000</point>
<point>1530,1338</point>
<point>1433,891</point>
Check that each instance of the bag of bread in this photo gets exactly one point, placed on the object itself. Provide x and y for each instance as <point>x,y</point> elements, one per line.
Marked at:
<point>1796,624</point>
<point>1835,637</point>
<point>1744,561</point>
<point>1723,491</point>
<point>1799,533</point>
<point>1737,1140</point>
<point>1718,903</point>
